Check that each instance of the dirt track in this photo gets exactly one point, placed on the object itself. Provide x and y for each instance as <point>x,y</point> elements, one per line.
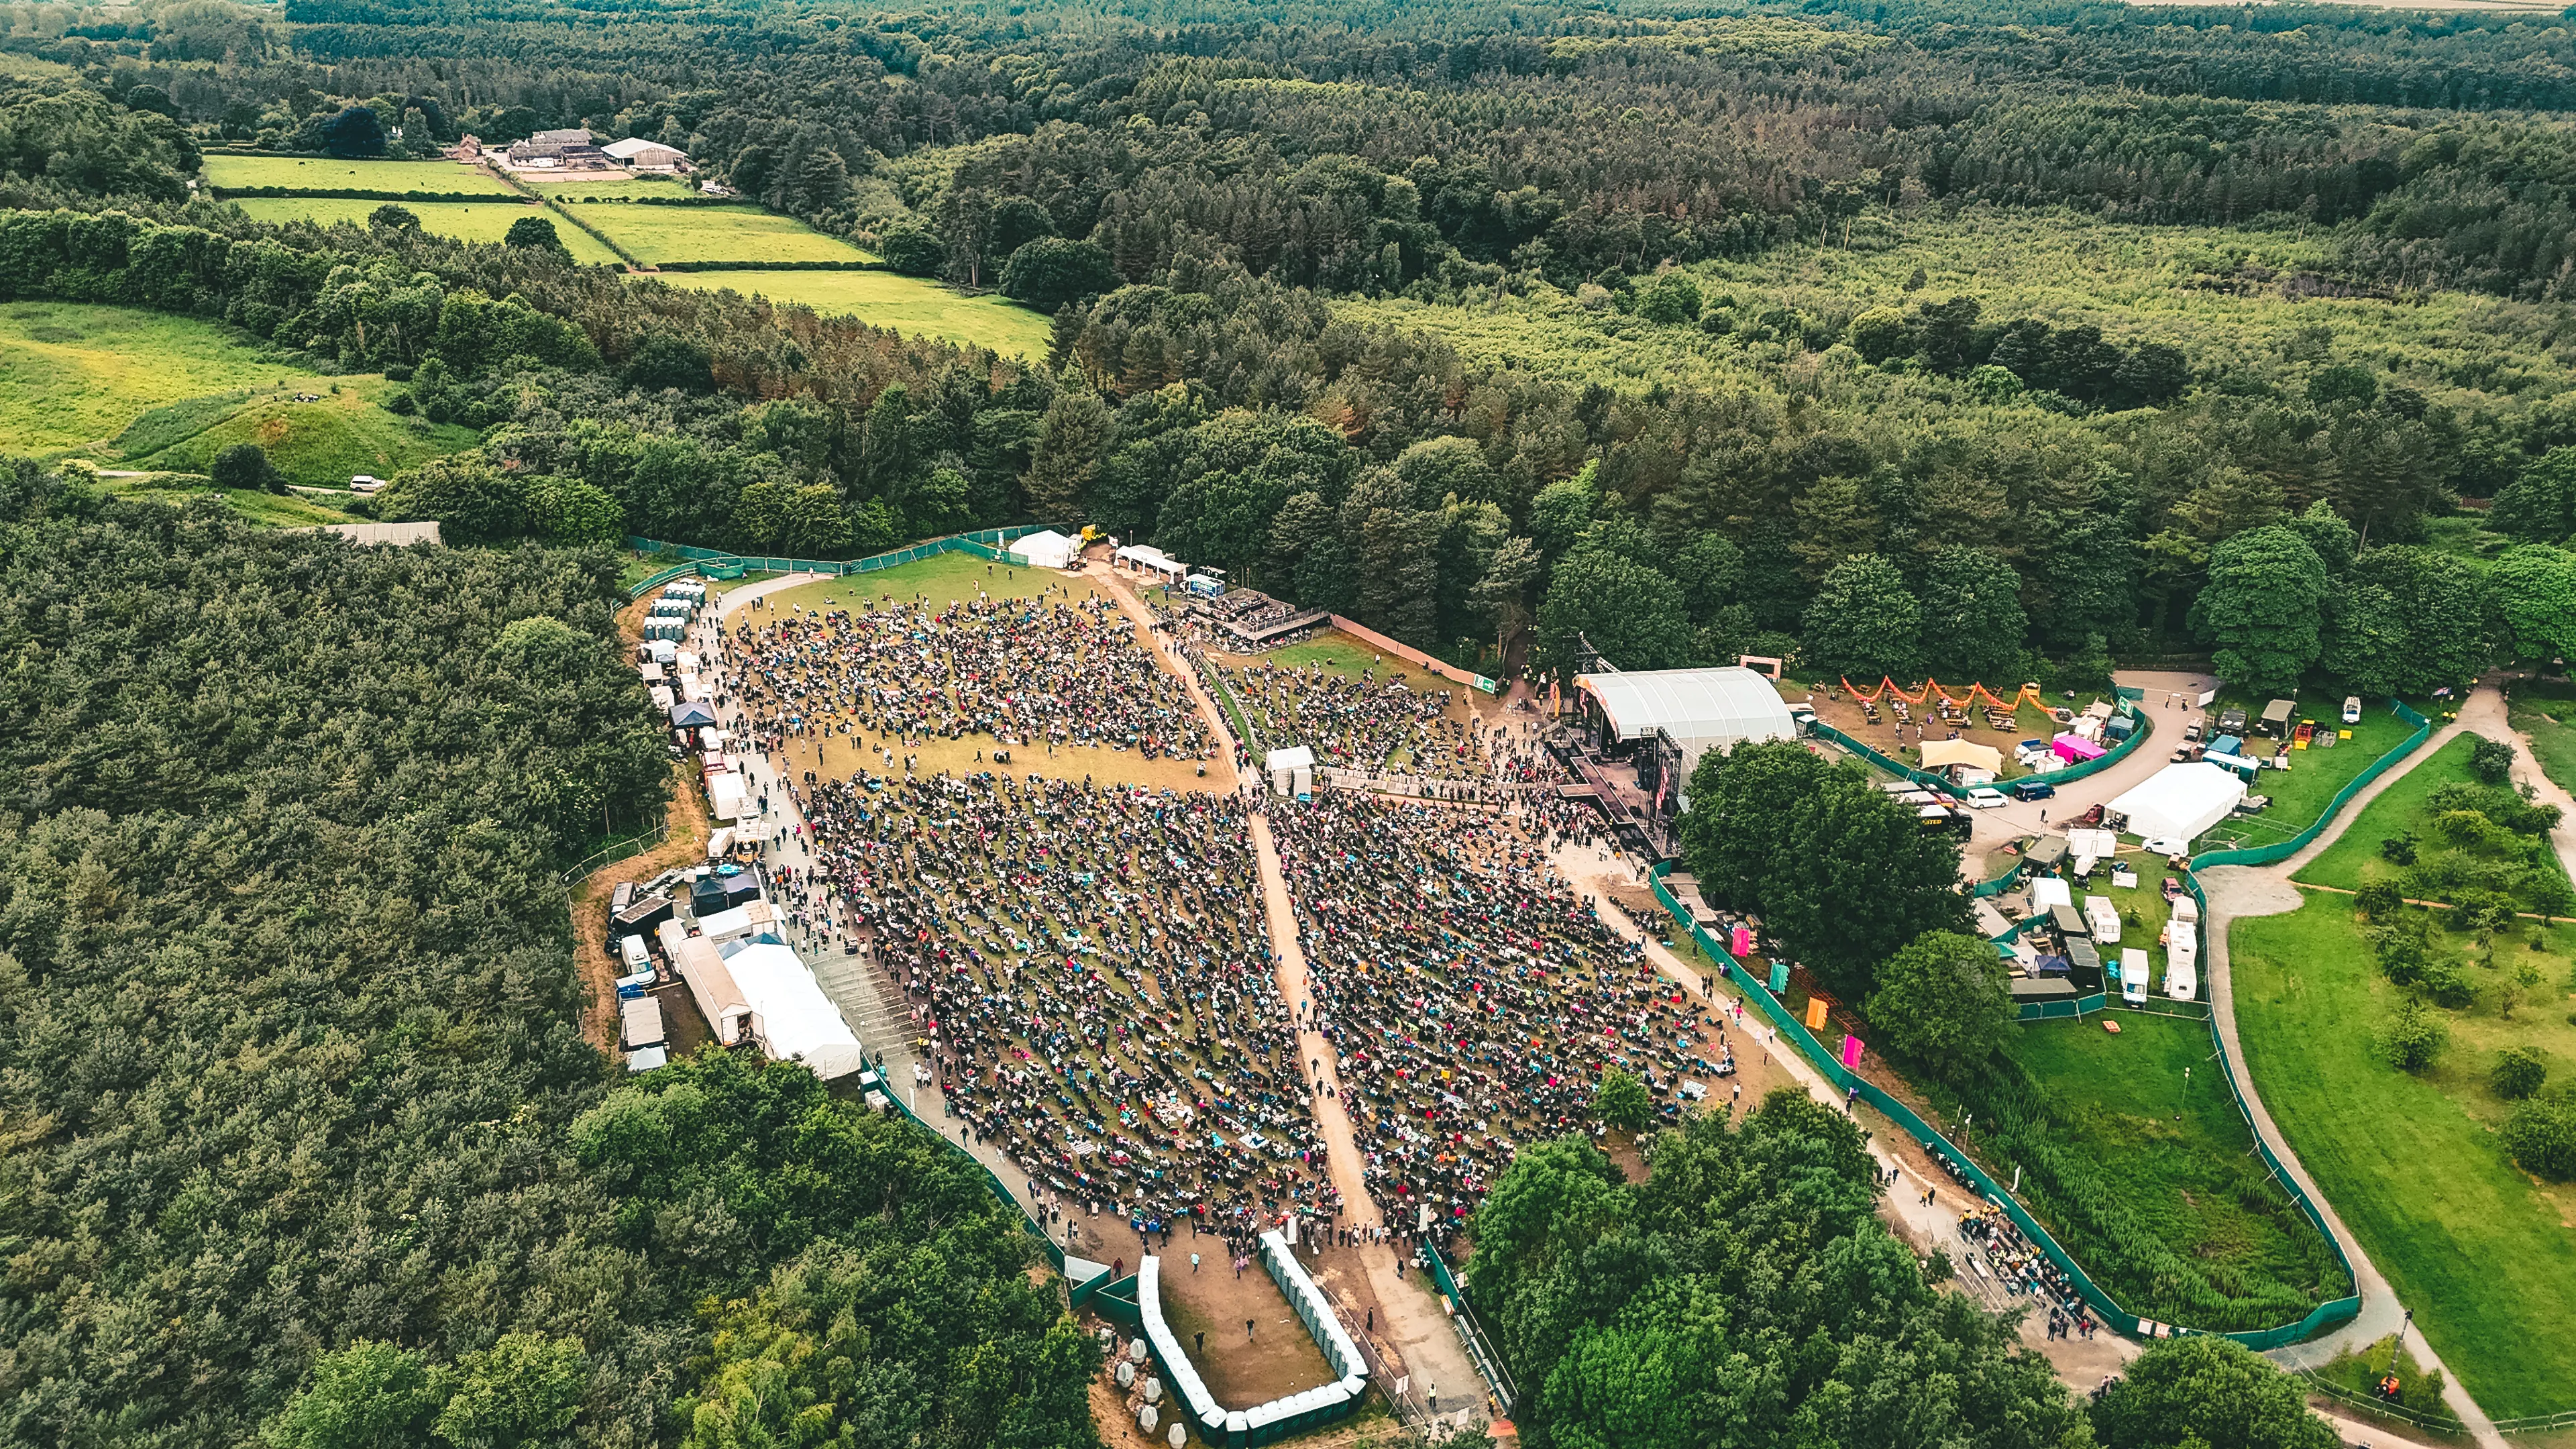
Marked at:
<point>687,816</point>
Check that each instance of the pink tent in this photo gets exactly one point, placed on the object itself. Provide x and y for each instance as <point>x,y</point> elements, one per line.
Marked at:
<point>2072,748</point>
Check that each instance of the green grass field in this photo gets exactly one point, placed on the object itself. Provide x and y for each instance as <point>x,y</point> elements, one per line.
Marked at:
<point>886,299</point>
<point>2481,1252</point>
<point>2301,793</point>
<point>323,173</point>
<point>2544,714</point>
<point>319,444</point>
<point>2354,859</point>
<point>466,221</point>
<point>657,234</point>
<point>73,374</point>
<point>940,579</point>
<point>2146,1174</point>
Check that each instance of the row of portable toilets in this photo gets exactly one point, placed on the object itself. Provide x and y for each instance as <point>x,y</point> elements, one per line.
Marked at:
<point>669,617</point>
<point>1282,1418</point>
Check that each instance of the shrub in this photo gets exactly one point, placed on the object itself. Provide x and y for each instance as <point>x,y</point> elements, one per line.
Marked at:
<point>2398,849</point>
<point>2413,1037</point>
<point>1052,271</point>
<point>912,250</point>
<point>2378,900</point>
<point>534,231</point>
<point>2541,1135</point>
<point>246,465</point>
<point>2491,760</point>
<point>2482,910</point>
<point>2517,1073</point>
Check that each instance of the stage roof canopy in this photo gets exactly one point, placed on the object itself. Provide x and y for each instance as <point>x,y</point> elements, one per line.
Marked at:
<point>1705,707</point>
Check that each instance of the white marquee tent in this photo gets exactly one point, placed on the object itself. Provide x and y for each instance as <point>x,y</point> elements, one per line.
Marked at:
<point>790,1012</point>
<point>2178,802</point>
<point>1044,549</point>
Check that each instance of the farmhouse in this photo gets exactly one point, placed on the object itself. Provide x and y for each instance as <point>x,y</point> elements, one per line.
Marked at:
<point>569,150</point>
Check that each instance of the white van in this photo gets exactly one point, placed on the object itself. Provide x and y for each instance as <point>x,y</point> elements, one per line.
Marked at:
<point>366,483</point>
<point>2133,976</point>
<point>2352,709</point>
<point>638,956</point>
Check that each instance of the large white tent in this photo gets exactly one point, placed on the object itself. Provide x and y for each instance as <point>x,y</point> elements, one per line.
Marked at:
<point>2178,802</point>
<point>1698,709</point>
<point>1044,549</point>
<point>790,1012</point>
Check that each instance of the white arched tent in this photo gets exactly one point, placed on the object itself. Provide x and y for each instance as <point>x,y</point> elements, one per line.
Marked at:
<point>1044,549</point>
<point>2178,802</point>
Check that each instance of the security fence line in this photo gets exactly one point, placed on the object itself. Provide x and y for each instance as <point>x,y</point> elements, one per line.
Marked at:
<point>2325,1315</point>
<point>984,543</point>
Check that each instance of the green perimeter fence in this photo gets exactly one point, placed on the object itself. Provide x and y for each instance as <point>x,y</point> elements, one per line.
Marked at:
<point>986,543</point>
<point>2125,706</point>
<point>2325,1315</point>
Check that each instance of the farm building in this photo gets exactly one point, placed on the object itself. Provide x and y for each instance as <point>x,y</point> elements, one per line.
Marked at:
<point>646,155</point>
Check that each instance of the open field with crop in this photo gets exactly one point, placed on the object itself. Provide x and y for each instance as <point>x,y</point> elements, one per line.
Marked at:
<point>2411,1161</point>
<point>467,221</point>
<point>72,374</point>
<point>909,305</point>
<point>739,234</point>
<point>327,173</point>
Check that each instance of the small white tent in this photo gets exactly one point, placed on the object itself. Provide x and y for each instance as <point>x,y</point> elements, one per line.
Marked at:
<point>2178,802</point>
<point>1044,549</point>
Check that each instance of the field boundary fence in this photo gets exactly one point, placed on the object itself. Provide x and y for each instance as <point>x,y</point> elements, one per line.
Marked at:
<point>608,855</point>
<point>983,543</point>
<point>1794,1032</point>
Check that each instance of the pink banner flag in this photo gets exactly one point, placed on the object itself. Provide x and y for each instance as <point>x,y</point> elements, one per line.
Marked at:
<point>1851,1051</point>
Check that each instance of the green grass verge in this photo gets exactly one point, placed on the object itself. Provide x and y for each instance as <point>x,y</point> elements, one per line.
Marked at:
<point>324,173</point>
<point>2355,860</point>
<point>618,186</point>
<point>73,374</point>
<point>939,579</point>
<point>658,234</point>
<point>2145,1175</point>
<point>465,221</point>
<point>319,444</point>
<point>909,305</point>
<point>2479,1250</point>
<point>2544,714</point>
<point>269,510</point>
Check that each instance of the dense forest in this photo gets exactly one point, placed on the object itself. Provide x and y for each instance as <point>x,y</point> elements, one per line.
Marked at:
<point>1198,200</point>
<point>1503,328</point>
<point>302,1134</point>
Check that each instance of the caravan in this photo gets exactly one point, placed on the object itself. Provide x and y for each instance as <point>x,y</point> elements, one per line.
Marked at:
<point>2133,976</point>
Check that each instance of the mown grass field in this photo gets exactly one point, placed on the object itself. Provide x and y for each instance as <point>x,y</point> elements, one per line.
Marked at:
<point>2479,1250</point>
<point>319,444</point>
<point>324,173</point>
<point>909,305</point>
<point>739,234</point>
<point>466,221</point>
<point>612,185</point>
<point>2355,859</point>
<point>73,374</point>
